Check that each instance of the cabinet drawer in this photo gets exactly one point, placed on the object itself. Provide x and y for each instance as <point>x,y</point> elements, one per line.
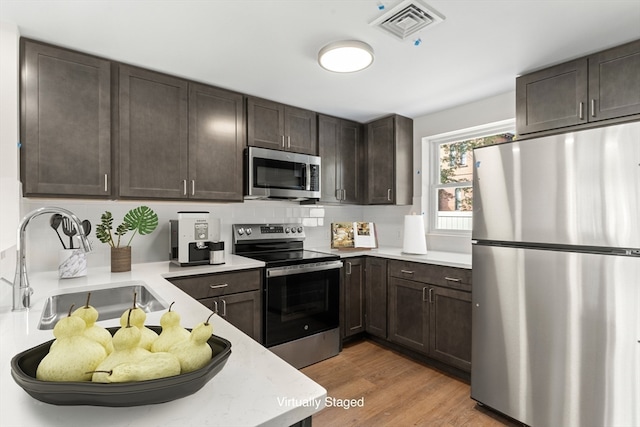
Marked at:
<point>451,277</point>
<point>212,285</point>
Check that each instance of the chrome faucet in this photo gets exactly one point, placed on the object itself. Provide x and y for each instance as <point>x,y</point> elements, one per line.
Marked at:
<point>21,290</point>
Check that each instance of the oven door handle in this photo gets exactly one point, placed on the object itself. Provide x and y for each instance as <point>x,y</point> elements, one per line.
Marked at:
<point>303,268</point>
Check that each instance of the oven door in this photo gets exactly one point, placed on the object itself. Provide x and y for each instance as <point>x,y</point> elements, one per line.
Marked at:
<point>301,300</point>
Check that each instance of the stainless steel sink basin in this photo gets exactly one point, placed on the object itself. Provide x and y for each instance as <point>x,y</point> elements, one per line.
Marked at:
<point>110,302</point>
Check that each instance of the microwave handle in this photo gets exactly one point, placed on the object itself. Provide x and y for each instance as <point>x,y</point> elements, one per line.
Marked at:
<point>307,177</point>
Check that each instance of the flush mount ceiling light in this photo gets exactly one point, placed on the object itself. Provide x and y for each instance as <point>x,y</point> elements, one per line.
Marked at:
<point>345,56</point>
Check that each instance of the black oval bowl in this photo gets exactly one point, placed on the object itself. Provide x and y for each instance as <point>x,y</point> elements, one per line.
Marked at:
<point>24,365</point>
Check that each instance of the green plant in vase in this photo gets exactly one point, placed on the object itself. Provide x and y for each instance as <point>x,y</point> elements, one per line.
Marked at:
<point>141,220</point>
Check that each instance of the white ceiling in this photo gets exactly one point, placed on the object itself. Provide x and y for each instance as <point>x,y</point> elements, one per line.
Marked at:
<point>269,48</point>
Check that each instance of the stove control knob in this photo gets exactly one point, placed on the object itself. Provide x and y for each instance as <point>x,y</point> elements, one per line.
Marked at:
<point>249,231</point>
<point>241,231</point>
<point>299,229</point>
<point>288,230</point>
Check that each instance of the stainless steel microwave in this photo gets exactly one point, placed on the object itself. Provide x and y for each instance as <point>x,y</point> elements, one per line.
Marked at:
<point>281,174</point>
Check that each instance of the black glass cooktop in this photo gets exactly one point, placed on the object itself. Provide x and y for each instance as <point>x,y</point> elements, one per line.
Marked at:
<point>280,258</point>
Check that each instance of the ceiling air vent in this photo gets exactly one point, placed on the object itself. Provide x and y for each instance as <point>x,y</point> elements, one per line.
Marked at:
<point>407,18</point>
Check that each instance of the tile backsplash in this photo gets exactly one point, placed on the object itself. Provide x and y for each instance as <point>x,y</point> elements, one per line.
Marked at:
<point>43,244</point>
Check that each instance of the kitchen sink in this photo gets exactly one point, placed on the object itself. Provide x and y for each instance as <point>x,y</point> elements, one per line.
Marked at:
<point>110,302</point>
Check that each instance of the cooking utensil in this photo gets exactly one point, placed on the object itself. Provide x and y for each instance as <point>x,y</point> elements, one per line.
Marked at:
<point>55,221</point>
<point>86,226</point>
<point>69,230</point>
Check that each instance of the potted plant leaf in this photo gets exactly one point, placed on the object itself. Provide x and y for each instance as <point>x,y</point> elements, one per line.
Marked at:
<point>141,220</point>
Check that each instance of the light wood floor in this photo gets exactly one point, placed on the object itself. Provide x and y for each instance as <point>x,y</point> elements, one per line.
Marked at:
<point>397,391</point>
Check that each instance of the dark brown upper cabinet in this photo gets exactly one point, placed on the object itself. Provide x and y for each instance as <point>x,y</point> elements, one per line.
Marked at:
<point>216,143</point>
<point>389,157</point>
<point>179,139</point>
<point>281,127</point>
<point>614,82</point>
<point>65,122</point>
<point>602,86</point>
<point>153,134</point>
<point>342,151</point>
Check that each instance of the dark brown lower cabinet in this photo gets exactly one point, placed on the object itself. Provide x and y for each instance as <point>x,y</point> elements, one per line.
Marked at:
<point>353,296</point>
<point>450,326</point>
<point>376,297</point>
<point>236,296</point>
<point>408,314</point>
<point>432,320</point>
<point>241,310</point>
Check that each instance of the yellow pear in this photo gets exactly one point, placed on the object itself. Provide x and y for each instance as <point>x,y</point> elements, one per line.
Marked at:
<point>136,317</point>
<point>155,365</point>
<point>195,352</point>
<point>95,332</point>
<point>126,349</point>
<point>172,332</point>
<point>74,356</point>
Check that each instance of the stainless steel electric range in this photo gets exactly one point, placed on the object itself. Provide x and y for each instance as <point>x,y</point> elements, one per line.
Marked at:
<point>301,296</point>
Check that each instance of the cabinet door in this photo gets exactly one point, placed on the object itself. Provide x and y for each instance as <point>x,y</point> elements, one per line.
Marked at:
<point>376,297</point>
<point>380,161</point>
<point>328,135</point>
<point>244,311</point>
<point>408,314</point>
<point>300,130</point>
<point>216,143</point>
<point>66,122</point>
<point>153,134</point>
<point>552,98</point>
<point>348,161</point>
<point>265,124</point>
<point>353,288</point>
<point>450,326</point>
<point>614,82</point>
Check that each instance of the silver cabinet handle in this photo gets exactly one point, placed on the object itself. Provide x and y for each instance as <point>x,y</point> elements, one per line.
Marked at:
<point>430,295</point>
<point>184,187</point>
<point>406,271</point>
<point>581,110</point>
<point>219,286</point>
<point>452,279</point>
<point>193,187</point>
<point>424,298</point>
<point>282,141</point>
<point>224,308</point>
<point>288,142</point>
<point>348,268</point>
<point>344,194</point>
<point>593,107</point>
<point>215,306</point>
<point>106,182</point>
<point>389,194</point>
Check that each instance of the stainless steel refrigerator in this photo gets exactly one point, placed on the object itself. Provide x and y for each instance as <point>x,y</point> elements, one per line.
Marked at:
<point>556,278</point>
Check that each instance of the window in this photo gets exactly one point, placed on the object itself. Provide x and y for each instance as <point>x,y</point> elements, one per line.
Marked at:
<point>451,182</point>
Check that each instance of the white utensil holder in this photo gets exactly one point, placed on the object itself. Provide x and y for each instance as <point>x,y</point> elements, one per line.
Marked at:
<point>72,263</point>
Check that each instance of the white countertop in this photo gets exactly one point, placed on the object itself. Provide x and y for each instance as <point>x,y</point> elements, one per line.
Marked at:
<point>448,259</point>
<point>255,387</point>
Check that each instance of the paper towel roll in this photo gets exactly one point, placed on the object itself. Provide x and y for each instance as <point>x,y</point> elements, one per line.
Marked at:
<point>414,237</point>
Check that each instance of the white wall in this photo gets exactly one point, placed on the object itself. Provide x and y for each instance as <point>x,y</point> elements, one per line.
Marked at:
<point>43,244</point>
<point>489,110</point>
<point>9,136</point>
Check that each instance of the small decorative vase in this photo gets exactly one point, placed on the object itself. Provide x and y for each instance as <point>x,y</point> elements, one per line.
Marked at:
<point>121,259</point>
